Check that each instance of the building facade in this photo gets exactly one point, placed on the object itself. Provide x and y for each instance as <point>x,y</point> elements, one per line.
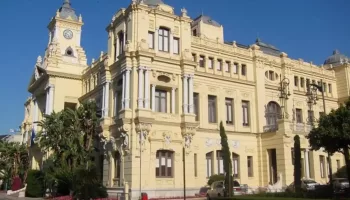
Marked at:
<point>165,84</point>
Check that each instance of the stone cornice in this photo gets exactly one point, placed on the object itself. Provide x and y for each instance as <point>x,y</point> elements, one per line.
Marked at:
<point>37,83</point>
<point>64,75</point>
<point>223,78</point>
<point>206,130</point>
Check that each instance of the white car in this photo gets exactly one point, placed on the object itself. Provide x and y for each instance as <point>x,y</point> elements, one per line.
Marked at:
<point>217,189</point>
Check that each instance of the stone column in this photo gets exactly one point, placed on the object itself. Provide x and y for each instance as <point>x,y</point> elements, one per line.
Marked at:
<point>153,97</point>
<point>190,93</point>
<point>307,168</point>
<point>47,100</point>
<point>117,47</point>
<point>147,88</point>
<point>185,94</point>
<point>140,98</point>
<point>123,90</point>
<point>124,35</point>
<point>51,94</point>
<point>171,43</point>
<point>106,99</point>
<point>127,89</point>
<point>173,100</point>
<point>156,45</point>
<point>103,99</point>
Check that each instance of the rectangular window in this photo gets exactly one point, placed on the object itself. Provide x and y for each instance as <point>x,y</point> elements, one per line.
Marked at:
<point>69,105</point>
<point>164,164</point>
<point>299,115</point>
<point>151,40</point>
<point>160,101</point>
<point>229,110</point>
<point>195,164</point>
<point>121,42</point>
<point>296,81</point>
<point>194,32</point>
<point>235,165</point>
<point>211,63</point>
<point>302,82</point>
<point>245,111</point>
<point>208,158</point>
<point>212,108</point>
<point>310,116</point>
<point>196,105</point>
<point>250,166</point>
<point>322,167</point>
<point>201,61</point>
<point>227,66</point>
<point>324,87</point>
<point>194,57</point>
<point>117,102</point>
<point>219,65</point>
<point>244,70</point>
<point>330,88</point>
<point>163,40</point>
<point>308,84</point>
<point>338,164</point>
<point>220,160</point>
<point>235,68</point>
<point>176,44</point>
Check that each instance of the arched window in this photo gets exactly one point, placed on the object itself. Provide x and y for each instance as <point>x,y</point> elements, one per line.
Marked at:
<point>121,42</point>
<point>273,112</point>
<point>164,164</point>
<point>163,39</point>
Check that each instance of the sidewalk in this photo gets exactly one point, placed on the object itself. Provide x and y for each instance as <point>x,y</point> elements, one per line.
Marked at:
<point>3,196</point>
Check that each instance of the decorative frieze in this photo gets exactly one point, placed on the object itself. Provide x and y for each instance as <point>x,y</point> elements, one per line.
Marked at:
<point>217,142</point>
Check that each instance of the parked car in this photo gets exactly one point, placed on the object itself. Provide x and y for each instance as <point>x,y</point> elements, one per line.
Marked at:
<point>340,185</point>
<point>306,186</point>
<point>217,189</point>
<point>202,192</point>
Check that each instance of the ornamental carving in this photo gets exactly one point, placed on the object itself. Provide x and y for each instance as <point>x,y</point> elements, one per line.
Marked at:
<point>160,73</point>
<point>188,131</point>
<point>176,30</point>
<point>105,62</point>
<point>229,92</point>
<point>143,130</point>
<point>212,89</point>
<point>124,137</point>
<point>167,139</point>
<point>246,95</point>
<point>151,24</point>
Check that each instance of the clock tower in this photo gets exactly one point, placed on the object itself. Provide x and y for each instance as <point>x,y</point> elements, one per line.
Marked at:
<point>65,36</point>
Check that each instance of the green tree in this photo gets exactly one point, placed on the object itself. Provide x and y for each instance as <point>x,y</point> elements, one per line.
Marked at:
<point>297,164</point>
<point>227,160</point>
<point>333,133</point>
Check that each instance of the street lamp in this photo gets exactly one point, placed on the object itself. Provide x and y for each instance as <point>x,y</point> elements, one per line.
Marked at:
<point>312,100</point>
<point>284,95</point>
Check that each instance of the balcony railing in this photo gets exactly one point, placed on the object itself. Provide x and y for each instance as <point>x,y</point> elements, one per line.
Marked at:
<point>301,128</point>
<point>270,128</point>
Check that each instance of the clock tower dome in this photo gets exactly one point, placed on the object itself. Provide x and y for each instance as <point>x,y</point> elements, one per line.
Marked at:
<point>65,35</point>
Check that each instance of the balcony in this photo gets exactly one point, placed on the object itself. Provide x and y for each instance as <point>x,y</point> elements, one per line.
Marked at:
<point>270,128</point>
<point>301,128</point>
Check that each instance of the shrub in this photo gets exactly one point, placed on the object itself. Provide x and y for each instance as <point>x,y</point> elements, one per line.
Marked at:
<point>215,177</point>
<point>35,184</point>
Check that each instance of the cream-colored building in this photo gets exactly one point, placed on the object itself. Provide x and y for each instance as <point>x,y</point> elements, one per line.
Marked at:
<point>166,82</point>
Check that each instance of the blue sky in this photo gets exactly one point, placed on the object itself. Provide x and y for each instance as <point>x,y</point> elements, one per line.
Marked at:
<point>308,29</point>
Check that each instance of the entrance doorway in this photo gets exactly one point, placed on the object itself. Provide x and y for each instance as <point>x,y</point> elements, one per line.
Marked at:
<point>272,165</point>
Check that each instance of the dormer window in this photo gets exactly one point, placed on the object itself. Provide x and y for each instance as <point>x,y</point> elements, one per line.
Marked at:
<point>69,52</point>
<point>163,39</point>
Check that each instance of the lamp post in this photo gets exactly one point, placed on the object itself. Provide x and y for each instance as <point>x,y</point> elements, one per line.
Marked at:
<point>284,95</point>
<point>312,100</point>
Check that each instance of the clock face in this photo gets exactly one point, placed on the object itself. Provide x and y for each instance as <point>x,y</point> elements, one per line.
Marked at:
<point>68,34</point>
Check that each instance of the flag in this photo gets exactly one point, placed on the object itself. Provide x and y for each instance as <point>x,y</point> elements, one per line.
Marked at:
<point>32,138</point>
